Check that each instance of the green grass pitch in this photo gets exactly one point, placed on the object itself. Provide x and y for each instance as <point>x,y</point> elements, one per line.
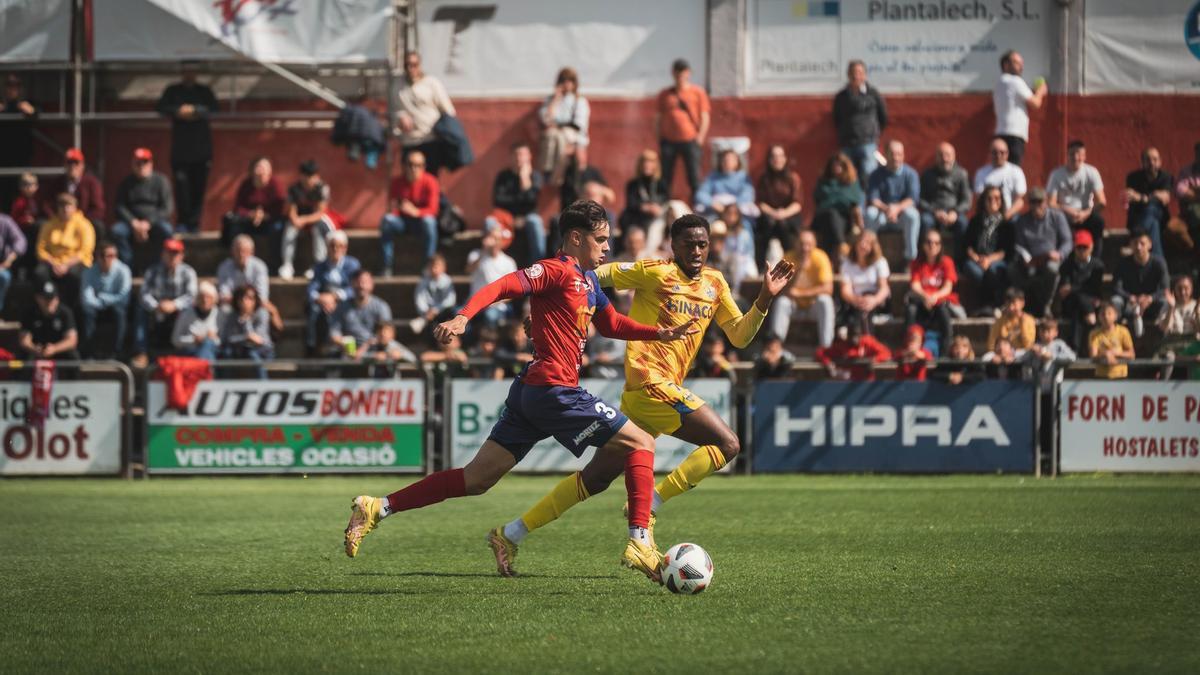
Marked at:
<point>849,574</point>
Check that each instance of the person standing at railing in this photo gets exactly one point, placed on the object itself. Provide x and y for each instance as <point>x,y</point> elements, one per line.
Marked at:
<point>1051,353</point>
<point>189,105</point>
<point>16,135</point>
<point>1110,345</point>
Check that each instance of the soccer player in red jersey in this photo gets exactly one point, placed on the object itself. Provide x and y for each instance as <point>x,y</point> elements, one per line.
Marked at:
<point>546,399</point>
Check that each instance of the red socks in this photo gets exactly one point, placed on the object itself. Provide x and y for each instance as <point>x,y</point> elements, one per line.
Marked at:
<point>639,483</point>
<point>434,488</point>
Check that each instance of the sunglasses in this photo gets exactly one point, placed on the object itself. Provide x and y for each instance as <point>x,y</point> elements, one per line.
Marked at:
<point>416,165</point>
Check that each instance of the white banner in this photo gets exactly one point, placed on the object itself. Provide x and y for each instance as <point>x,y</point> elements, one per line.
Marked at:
<point>908,47</point>
<point>282,31</point>
<point>1129,425</point>
<point>475,406</point>
<point>1145,46</point>
<point>516,47</point>
<point>286,402</point>
<point>82,434</point>
<point>35,31</point>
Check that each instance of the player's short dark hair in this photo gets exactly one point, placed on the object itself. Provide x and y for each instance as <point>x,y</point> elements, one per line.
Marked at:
<point>686,223</point>
<point>583,214</point>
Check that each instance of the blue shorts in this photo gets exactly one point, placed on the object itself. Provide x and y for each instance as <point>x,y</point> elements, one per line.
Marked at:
<point>574,417</point>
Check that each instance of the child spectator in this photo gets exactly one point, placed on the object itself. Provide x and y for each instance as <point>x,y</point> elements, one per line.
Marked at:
<point>853,357</point>
<point>1004,362</point>
<point>26,209</point>
<point>1014,324</point>
<point>1049,352</point>
<point>515,351</point>
<point>913,359</point>
<point>450,354</point>
<point>712,360</point>
<point>1110,345</point>
<point>484,352</point>
<point>965,370</point>
<point>384,347</point>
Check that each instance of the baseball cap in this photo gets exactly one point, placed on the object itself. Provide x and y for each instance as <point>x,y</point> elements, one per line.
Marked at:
<point>48,290</point>
<point>175,245</point>
<point>1083,238</point>
<point>1037,194</point>
<point>143,154</point>
<point>74,155</point>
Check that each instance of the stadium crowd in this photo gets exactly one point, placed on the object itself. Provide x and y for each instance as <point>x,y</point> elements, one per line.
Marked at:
<point>984,244</point>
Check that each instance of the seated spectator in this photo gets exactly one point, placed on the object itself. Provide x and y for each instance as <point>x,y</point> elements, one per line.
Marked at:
<point>421,104</point>
<point>1042,241</point>
<point>594,191</point>
<point>515,195</point>
<point>865,283</point>
<point>932,302</point>
<point>48,328</point>
<point>484,353</point>
<point>728,184</point>
<point>308,209</point>
<point>485,265</point>
<point>514,351</point>
<point>1181,321</point>
<point>1013,325</point>
<point>854,355</point>
<point>330,286</point>
<point>75,180</point>
<point>28,213</point>
<point>1050,353</point>
<point>837,206</point>
<point>779,196</point>
<point>106,288</point>
<point>1140,285</point>
<point>414,196</point>
<point>1110,345</point>
<point>449,355</point>
<point>633,245</point>
<point>646,196</point>
<point>1077,190</point>
<point>357,318</point>
<point>198,328</point>
<point>169,288</point>
<point>435,295</point>
<point>1081,288</point>
<point>385,349</point>
<point>1005,362</point>
<point>1187,189</point>
<point>245,332</point>
<point>988,246</point>
<point>143,207</point>
<point>810,295</point>
<point>945,194</point>
<point>65,246</point>
<point>1009,177</point>
<point>242,268</point>
<point>963,369</point>
<point>579,174</point>
<point>605,355</point>
<point>1148,193</point>
<point>892,194</point>
<point>739,248</point>
<point>714,359</point>
<point>258,211</point>
<point>912,360</point>
<point>564,118</point>
<point>773,361</point>
<point>12,248</point>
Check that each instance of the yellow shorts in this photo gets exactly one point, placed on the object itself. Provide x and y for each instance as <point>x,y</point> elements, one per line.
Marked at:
<point>658,409</point>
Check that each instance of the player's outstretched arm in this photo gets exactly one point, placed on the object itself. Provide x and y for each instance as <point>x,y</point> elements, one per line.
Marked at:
<point>741,328</point>
<point>507,287</point>
<point>613,324</point>
<point>775,280</point>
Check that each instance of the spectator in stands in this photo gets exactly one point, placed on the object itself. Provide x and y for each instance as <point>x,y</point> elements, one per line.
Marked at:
<point>12,248</point>
<point>853,357</point>
<point>1148,191</point>
<point>414,198</point>
<point>1188,191</point>
<point>965,370</point>
<point>78,181</point>
<point>945,194</point>
<point>738,254</point>
<point>579,178</point>
<point>484,352</point>
<point>892,194</point>
<point>514,351</point>
<point>198,327</point>
<point>515,194</point>
<point>779,196</point>
<point>646,197</point>
<point>331,285</point>
<point>1080,288</point>
<point>773,361</point>
<point>485,265</point>
<point>837,202</point>
<point>714,359</point>
<point>258,210</point>
<point>633,245</point>
<point>435,295</point>
<point>1140,285</point>
<point>143,207</point>
<point>1042,241</point>
<point>384,346</point>
<point>860,116</point>
<point>564,117</point>
<point>242,268</point>
<point>1110,345</point>
<point>681,123</point>
<point>810,294</point>
<point>65,246</point>
<point>1005,362</point>
<point>987,248</point>
<point>168,288</point>
<point>1181,321</point>
<point>422,102</point>
<point>106,288</point>
<point>1011,99</point>
<point>450,354</point>
<point>1077,190</point>
<point>1049,353</point>
<point>308,209</point>
<point>865,283</point>
<point>189,105</point>
<point>1004,174</point>
<point>912,359</point>
<point>27,210</point>
<point>932,301</point>
<point>1013,324</point>
<point>356,318</point>
<point>48,328</point>
<point>728,184</point>
<point>16,136</point>
<point>246,329</point>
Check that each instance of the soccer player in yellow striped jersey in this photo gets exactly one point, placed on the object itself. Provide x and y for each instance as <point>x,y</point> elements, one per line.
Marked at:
<point>665,292</point>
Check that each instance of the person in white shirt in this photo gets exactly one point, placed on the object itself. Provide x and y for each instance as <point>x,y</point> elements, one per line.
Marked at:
<point>422,102</point>
<point>1011,99</point>
<point>865,288</point>
<point>1005,175</point>
<point>564,117</point>
<point>485,265</point>
<point>1077,190</point>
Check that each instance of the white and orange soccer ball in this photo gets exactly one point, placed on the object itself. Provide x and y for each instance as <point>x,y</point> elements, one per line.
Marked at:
<point>687,569</point>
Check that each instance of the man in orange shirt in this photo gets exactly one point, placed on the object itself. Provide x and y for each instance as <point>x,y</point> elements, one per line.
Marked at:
<point>681,122</point>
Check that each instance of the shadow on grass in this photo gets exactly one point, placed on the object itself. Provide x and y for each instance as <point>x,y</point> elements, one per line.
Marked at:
<point>492,575</point>
<point>311,591</point>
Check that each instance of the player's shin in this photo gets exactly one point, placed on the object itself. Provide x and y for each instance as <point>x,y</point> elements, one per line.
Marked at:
<point>699,465</point>
<point>567,493</point>
<point>434,488</point>
<point>639,483</point>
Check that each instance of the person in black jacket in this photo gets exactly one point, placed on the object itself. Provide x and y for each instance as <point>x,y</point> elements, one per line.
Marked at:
<point>515,191</point>
<point>189,105</point>
<point>987,248</point>
<point>860,117</point>
<point>646,193</point>
<point>1081,288</point>
<point>1140,284</point>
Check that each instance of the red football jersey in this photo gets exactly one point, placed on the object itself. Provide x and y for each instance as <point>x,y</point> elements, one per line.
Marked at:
<point>563,298</point>
<point>932,276</point>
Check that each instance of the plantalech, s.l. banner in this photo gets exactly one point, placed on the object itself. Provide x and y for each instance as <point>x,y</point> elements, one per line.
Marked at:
<point>81,434</point>
<point>289,426</point>
<point>1129,425</point>
<point>893,427</point>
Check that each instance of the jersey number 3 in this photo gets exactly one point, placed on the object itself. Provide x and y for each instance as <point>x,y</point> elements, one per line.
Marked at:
<point>605,410</point>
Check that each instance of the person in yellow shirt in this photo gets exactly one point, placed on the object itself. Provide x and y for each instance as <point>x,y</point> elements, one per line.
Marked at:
<point>665,293</point>
<point>1014,324</point>
<point>1110,345</point>
<point>65,245</point>
<point>811,292</point>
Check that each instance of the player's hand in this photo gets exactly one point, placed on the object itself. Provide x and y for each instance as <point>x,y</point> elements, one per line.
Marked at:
<point>778,277</point>
<point>678,332</point>
<point>448,329</point>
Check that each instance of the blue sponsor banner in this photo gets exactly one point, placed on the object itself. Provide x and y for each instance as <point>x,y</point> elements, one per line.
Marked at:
<point>900,427</point>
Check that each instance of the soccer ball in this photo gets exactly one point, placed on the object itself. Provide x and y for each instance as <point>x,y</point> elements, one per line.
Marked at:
<point>687,569</point>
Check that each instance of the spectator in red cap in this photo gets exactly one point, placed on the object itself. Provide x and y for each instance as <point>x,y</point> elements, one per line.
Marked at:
<point>1081,289</point>
<point>143,207</point>
<point>189,104</point>
<point>170,287</point>
<point>76,180</point>
<point>913,358</point>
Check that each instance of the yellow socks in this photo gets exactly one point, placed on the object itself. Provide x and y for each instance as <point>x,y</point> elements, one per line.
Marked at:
<point>567,493</point>
<point>698,466</point>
